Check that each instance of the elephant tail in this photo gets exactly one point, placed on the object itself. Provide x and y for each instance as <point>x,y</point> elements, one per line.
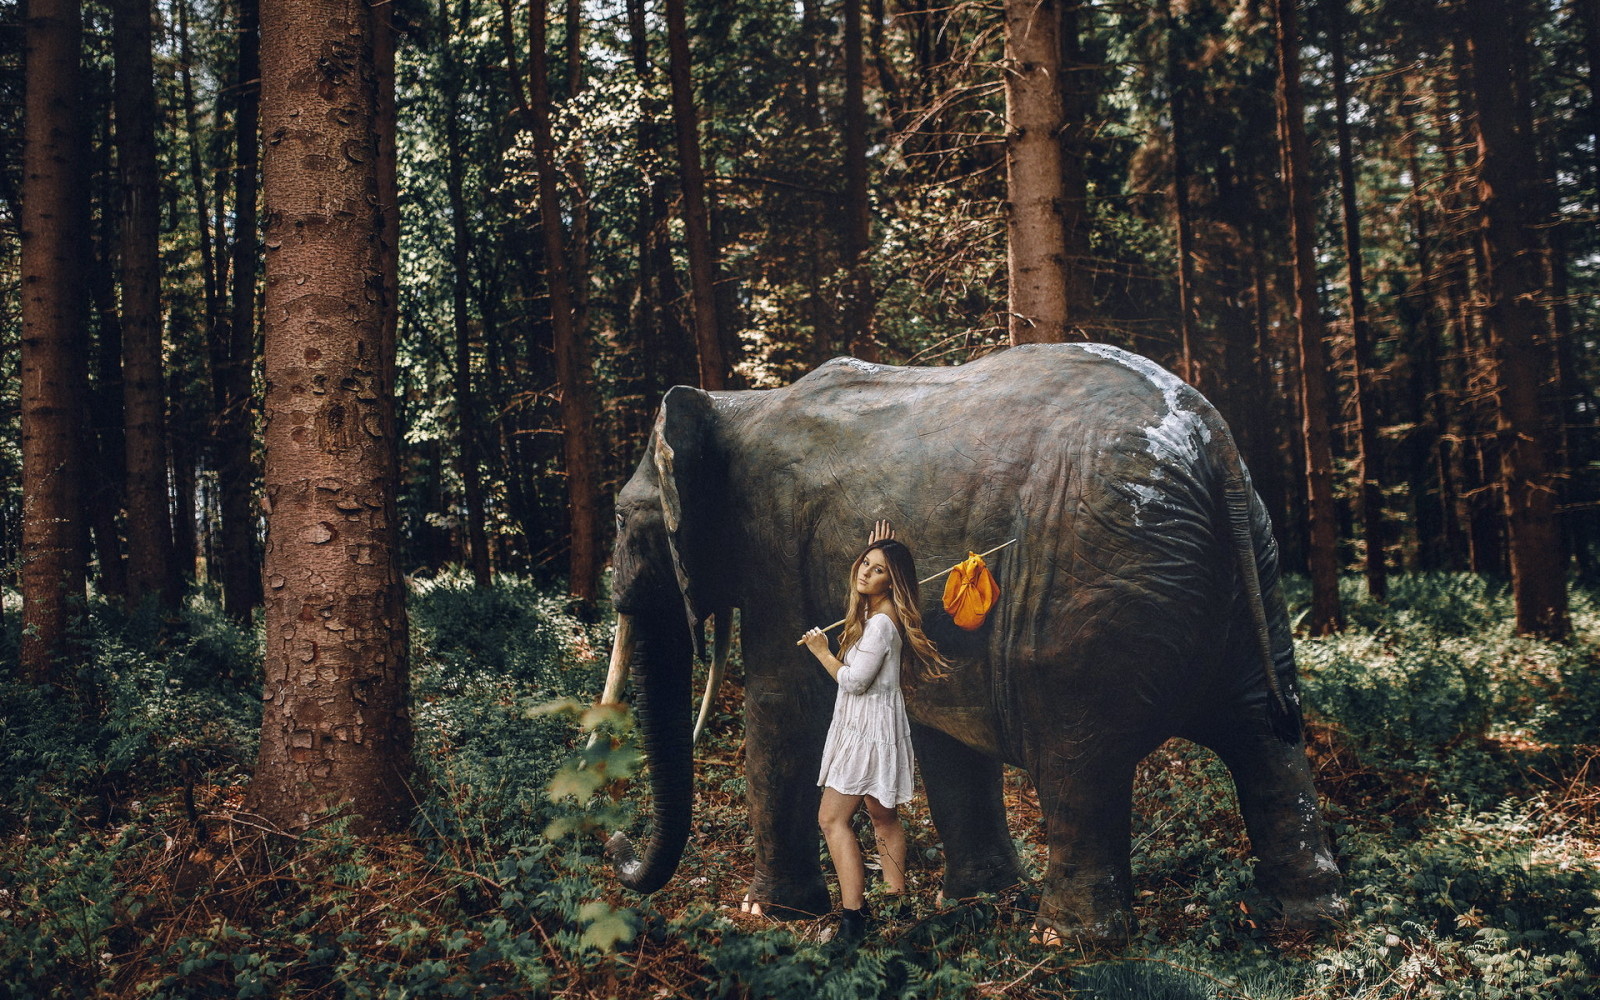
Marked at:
<point>1236,493</point>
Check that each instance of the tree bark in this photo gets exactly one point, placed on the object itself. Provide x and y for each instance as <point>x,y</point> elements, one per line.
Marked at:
<point>336,724</point>
<point>714,363</point>
<point>1327,616</point>
<point>1510,290</point>
<point>573,371</point>
<point>1036,250</point>
<point>858,304</point>
<point>53,229</point>
<point>1187,364</point>
<point>1371,488</point>
<point>461,272</point>
<point>149,524</point>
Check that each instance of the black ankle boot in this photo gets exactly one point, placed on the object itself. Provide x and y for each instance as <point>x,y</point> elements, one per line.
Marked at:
<point>852,927</point>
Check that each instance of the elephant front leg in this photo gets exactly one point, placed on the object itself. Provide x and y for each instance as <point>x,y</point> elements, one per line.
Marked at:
<point>966,801</point>
<point>1088,886</point>
<point>784,733</point>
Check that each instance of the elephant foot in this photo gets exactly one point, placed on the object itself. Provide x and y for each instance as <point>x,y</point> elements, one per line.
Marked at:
<point>1097,921</point>
<point>966,881</point>
<point>1111,930</point>
<point>782,901</point>
<point>1305,898</point>
<point>1306,913</point>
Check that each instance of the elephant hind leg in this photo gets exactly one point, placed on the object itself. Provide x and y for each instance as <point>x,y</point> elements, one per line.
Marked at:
<point>965,798</point>
<point>1087,806</point>
<point>1295,864</point>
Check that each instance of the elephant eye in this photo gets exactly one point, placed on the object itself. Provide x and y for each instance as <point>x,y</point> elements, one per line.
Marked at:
<point>619,520</point>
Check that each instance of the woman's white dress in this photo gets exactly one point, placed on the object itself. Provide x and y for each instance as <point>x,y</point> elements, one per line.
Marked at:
<point>868,751</point>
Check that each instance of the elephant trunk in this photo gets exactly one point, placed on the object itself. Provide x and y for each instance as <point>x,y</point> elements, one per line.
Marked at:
<point>661,654</point>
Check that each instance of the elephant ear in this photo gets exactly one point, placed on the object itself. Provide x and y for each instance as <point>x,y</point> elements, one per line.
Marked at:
<point>693,491</point>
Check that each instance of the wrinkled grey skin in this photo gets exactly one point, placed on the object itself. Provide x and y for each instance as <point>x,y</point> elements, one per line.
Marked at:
<point>1126,613</point>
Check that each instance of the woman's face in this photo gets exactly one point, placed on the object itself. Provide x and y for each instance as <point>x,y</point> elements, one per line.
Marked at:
<point>872,576</point>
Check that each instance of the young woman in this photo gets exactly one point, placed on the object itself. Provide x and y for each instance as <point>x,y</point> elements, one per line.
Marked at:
<point>867,758</point>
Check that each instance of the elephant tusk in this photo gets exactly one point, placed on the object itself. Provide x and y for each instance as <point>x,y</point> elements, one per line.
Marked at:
<point>927,579</point>
<point>617,674</point>
<point>721,633</point>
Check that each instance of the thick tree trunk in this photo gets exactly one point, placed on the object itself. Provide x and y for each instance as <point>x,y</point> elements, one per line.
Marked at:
<point>1510,290</point>
<point>460,257</point>
<point>1371,492</point>
<point>714,363</point>
<point>1326,614</point>
<point>1036,249</point>
<point>149,524</point>
<point>573,371</point>
<point>53,228</point>
<point>336,720</point>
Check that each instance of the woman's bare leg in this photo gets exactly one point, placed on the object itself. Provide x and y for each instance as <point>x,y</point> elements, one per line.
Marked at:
<point>834,818</point>
<point>891,838</point>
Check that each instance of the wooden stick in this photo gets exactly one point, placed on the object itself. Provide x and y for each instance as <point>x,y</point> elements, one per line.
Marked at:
<point>924,580</point>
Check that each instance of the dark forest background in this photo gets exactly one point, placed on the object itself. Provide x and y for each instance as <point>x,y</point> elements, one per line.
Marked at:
<point>1171,122</point>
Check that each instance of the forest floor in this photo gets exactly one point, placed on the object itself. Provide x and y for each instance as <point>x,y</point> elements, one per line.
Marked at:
<point>1457,765</point>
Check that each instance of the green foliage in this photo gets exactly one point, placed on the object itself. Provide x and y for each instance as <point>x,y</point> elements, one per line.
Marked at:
<point>1468,871</point>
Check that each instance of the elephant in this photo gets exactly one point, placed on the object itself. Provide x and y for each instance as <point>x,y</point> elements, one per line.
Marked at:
<point>1141,601</point>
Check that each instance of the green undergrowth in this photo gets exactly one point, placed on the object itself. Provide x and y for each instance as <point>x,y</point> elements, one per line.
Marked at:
<point>1456,761</point>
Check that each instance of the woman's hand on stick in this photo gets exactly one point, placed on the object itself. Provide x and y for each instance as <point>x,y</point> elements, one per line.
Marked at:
<point>817,641</point>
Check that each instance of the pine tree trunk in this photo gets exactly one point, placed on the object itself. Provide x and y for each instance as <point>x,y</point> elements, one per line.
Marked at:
<point>105,448</point>
<point>336,722</point>
<point>149,525</point>
<point>1327,616</point>
<point>1446,547</point>
<point>1588,12</point>
<point>53,228</point>
<point>1036,250</point>
<point>1511,289</point>
<point>1077,106</point>
<point>574,374</point>
<point>1188,365</point>
<point>460,257</point>
<point>233,343</point>
<point>858,304</point>
<point>714,363</point>
<point>182,435</point>
<point>1371,492</point>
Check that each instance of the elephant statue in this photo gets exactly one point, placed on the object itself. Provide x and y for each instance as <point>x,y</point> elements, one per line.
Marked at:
<point>1141,601</point>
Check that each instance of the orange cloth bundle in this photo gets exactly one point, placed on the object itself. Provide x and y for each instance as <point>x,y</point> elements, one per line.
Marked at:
<point>970,592</point>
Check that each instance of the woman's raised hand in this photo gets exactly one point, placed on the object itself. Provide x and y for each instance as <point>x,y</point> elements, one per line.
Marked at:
<point>881,531</point>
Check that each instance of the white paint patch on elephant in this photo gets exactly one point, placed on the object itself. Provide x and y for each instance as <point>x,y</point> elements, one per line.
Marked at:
<point>1325,864</point>
<point>1177,438</point>
<point>861,366</point>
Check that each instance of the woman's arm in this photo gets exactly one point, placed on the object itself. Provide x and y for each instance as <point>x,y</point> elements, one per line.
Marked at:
<point>871,652</point>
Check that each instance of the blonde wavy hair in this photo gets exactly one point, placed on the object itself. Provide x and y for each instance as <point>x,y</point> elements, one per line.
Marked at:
<point>926,660</point>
